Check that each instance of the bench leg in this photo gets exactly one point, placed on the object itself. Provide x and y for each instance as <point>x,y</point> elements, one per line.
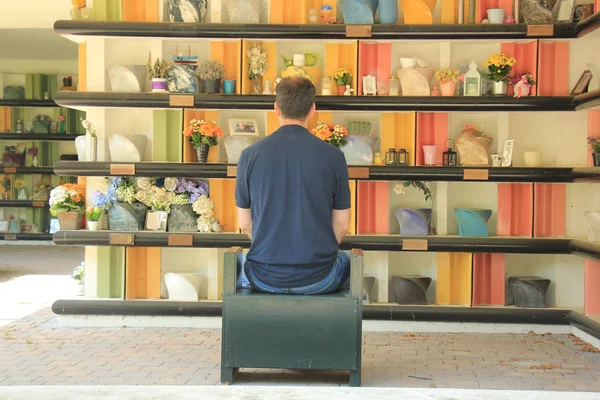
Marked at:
<point>228,375</point>
<point>354,378</point>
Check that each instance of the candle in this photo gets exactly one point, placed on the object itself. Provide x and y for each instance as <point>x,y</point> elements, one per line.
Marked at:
<point>313,17</point>
<point>472,88</point>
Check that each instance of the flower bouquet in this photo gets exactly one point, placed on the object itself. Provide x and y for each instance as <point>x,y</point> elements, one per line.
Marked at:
<point>522,84</point>
<point>257,65</point>
<point>499,66</point>
<point>332,134</point>
<point>206,221</point>
<point>342,78</point>
<point>202,134</point>
<point>159,195</point>
<point>67,202</point>
<point>182,217</point>
<point>448,79</point>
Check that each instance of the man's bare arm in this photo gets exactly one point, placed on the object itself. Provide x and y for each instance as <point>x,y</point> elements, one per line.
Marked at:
<point>341,223</point>
<point>245,219</point>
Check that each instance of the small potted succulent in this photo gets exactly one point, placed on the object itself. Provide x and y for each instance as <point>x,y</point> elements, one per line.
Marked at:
<point>210,74</point>
<point>158,73</point>
<point>92,216</point>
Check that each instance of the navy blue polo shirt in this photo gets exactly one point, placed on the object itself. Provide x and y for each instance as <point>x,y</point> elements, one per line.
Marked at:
<point>291,181</point>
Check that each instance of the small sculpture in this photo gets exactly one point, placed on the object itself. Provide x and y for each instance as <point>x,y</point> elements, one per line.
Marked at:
<point>267,90</point>
<point>348,91</point>
<point>275,86</point>
<point>473,146</point>
<point>22,194</point>
<point>377,159</point>
<point>19,126</point>
<point>35,161</point>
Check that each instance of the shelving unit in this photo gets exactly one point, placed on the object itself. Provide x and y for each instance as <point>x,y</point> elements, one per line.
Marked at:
<point>23,203</point>
<point>50,137</point>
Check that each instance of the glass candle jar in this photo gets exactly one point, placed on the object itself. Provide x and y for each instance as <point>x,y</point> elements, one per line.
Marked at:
<point>326,14</point>
<point>394,86</point>
<point>390,157</point>
<point>313,16</point>
<point>327,84</point>
<point>402,157</point>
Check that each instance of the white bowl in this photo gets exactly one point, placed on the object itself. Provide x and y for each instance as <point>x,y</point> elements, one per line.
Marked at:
<point>408,62</point>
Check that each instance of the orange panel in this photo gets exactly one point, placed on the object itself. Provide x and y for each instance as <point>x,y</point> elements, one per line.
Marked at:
<point>222,192</point>
<point>418,11</point>
<point>142,273</point>
<point>488,279</point>
<point>550,210</point>
<point>376,60</point>
<point>140,10</point>
<point>82,67</point>
<point>553,76</point>
<point>344,55</point>
<point>352,229</point>
<point>398,131</point>
<point>228,53</point>
<point>5,119</point>
<point>515,209</point>
<point>373,207</point>
<point>323,116</point>
<point>272,122</point>
<point>591,281</point>
<point>450,12</point>
<point>593,130</point>
<point>432,129</point>
<point>288,12</point>
<point>270,74</point>
<point>526,56</point>
<point>454,278</point>
<point>484,5</point>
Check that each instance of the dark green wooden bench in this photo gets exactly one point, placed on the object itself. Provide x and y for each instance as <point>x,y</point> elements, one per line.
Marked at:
<point>291,332</point>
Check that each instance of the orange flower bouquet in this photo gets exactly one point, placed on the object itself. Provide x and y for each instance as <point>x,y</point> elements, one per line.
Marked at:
<point>332,134</point>
<point>203,132</point>
<point>68,197</point>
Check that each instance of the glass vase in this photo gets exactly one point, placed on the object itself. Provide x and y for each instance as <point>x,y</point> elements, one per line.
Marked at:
<point>256,86</point>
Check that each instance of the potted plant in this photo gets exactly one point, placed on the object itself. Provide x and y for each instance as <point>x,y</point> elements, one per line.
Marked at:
<point>79,277</point>
<point>158,73</point>
<point>594,144</point>
<point>66,203</point>
<point>183,217</point>
<point>522,84</point>
<point>499,66</point>
<point>202,134</point>
<point>210,74</point>
<point>342,78</point>
<point>92,216</point>
<point>447,78</point>
<point>332,134</point>
<point>117,196</point>
<point>159,196</point>
<point>257,65</point>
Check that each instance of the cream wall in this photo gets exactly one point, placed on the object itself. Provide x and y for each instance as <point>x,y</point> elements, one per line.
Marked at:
<point>32,13</point>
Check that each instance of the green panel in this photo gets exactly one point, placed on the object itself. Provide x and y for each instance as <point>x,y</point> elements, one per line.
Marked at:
<point>52,85</point>
<point>18,113</point>
<point>111,272</point>
<point>167,139</point>
<point>37,87</point>
<point>107,10</point>
<point>29,86</point>
<point>73,120</point>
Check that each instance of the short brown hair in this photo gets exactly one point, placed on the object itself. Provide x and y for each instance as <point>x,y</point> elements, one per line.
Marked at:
<point>295,98</point>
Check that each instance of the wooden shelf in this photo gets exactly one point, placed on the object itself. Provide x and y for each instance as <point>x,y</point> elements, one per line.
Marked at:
<point>27,170</point>
<point>24,204</point>
<point>27,103</point>
<point>84,100</point>
<point>46,137</point>
<point>77,30</point>
<point>15,237</point>
<point>376,173</point>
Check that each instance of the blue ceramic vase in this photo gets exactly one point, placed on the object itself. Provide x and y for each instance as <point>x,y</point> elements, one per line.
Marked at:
<point>373,4</point>
<point>472,222</point>
<point>414,221</point>
<point>388,11</point>
<point>356,12</point>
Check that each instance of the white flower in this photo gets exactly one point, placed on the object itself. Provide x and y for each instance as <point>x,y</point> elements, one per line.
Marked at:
<point>170,184</point>
<point>169,197</point>
<point>86,124</point>
<point>180,200</point>
<point>216,227</point>
<point>58,195</point>
<point>203,205</point>
<point>126,194</point>
<point>204,225</point>
<point>399,188</point>
<point>144,183</point>
<point>103,186</point>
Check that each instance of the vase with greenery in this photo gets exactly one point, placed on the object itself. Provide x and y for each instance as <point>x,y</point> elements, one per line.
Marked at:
<point>210,74</point>
<point>92,216</point>
<point>158,74</point>
<point>499,67</point>
<point>202,135</point>
<point>594,144</point>
<point>257,65</point>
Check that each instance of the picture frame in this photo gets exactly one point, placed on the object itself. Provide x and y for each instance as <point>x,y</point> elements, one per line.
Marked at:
<point>243,127</point>
<point>583,83</point>
<point>583,11</point>
<point>565,10</point>
<point>4,226</point>
<point>28,228</point>
<point>53,126</point>
<point>507,153</point>
<point>369,85</point>
<point>28,126</point>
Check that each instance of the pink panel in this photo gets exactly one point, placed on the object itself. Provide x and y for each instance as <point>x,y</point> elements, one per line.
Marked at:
<point>550,210</point>
<point>526,56</point>
<point>593,131</point>
<point>591,281</point>
<point>374,59</point>
<point>432,129</point>
<point>373,207</point>
<point>553,74</point>
<point>484,5</point>
<point>597,6</point>
<point>488,279</point>
<point>515,209</point>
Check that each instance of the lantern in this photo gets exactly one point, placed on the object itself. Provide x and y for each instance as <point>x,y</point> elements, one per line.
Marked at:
<point>450,156</point>
<point>402,157</point>
<point>472,81</point>
<point>390,157</point>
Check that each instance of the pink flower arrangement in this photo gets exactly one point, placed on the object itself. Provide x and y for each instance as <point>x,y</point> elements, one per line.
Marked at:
<point>525,79</point>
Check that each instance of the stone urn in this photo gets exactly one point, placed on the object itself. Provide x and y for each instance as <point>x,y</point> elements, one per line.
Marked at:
<point>473,148</point>
<point>234,145</point>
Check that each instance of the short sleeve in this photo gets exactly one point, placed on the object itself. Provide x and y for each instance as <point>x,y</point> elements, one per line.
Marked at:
<point>341,198</point>
<point>242,188</point>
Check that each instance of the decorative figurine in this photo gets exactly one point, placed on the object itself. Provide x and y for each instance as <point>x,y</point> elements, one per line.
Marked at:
<point>434,91</point>
<point>275,86</point>
<point>19,126</point>
<point>22,194</point>
<point>267,90</point>
<point>348,91</point>
<point>509,19</point>
<point>377,159</point>
<point>35,161</point>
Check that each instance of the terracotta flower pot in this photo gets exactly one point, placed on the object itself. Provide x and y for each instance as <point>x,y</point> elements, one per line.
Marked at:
<point>448,88</point>
<point>341,90</point>
<point>70,221</point>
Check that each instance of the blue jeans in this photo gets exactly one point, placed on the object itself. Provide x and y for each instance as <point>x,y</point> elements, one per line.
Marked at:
<point>337,279</point>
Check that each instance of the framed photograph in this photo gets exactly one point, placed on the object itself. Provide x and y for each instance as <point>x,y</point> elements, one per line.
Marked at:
<point>28,228</point>
<point>3,226</point>
<point>583,83</point>
<point>28,126</point>
<point>369,85</point>
<point>243,127</point>
<point>508,152</point>
<point>565,11</point>
<point>53,126</point>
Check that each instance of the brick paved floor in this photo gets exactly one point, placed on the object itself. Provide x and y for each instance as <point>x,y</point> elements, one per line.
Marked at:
<point>34,352</point>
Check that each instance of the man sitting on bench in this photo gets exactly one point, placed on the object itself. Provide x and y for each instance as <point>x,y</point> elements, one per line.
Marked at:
<point>293,199</point>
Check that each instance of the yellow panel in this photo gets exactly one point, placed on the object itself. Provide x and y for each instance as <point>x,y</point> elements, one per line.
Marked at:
<point>272,122</point>
<point>142,273</point>
<point>271,73</point>
<point>342,56</point>
<point>352,230</point>
<point>222,192</point>
<point>454,278</point>
<point>418,11</point>
<point>450,12</point>
<point>228,53</point>
<point>5,119</point>
<point>288,12</point>
<point>82,67</point>
<point>398,131</point>
<point>140,10</point>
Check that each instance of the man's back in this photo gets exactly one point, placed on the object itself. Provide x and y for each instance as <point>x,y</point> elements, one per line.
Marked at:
<point>291,181</point>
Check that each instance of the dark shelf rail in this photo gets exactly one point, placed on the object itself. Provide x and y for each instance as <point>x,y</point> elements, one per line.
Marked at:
<point>27,170</point>
<point>322,32</point>
<point>585,249</point>
<point>27,103</point>
<point>334,103</point>
<point>47,137</point>
<point>45,237</point>
<point>149,169</point>
<point>23,204</point>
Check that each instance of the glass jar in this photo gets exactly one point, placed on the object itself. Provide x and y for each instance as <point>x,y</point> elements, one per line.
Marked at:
<point>327,84</point>
<point>402,157</point>
<point>390,157</point>
<point>394,86</point>
<point>313,16</point>
<point>326,14</point>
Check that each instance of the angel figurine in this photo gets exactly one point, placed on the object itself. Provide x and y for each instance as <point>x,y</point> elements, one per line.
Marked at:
<point>267,90</point>
<point>348,91</point>
<point>275,86</point>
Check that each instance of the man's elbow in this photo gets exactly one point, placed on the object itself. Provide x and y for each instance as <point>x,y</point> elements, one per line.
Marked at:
<point>246,227</point>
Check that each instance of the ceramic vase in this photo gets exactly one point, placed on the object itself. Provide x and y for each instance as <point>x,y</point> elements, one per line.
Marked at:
<point>183,286</point>
<point>91,142</point>
<point>159,85</point>
<point>593,218</point>
<point>229,86</point>
<point>182,219</point>
<point>210,86</point>
<point>93,225</point>
<point>202,153</point>
<point>70,221</point>
<point>373,5</point>
<point>448,88</point>
<point>472,222</point>
<point>521,90</point>
<point>256,86</point>
<point>499,88</point>
<point>234,145</point>
<point>496,15</point>
<point>358,149</point>
<point>430,154</point>
<point>596,158</point>
<point>388,11</point>
<point>414,221</point>
<point>356,12</point>
<point>127,217</point>
<point>157,221</point>
<point>187,10</point>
